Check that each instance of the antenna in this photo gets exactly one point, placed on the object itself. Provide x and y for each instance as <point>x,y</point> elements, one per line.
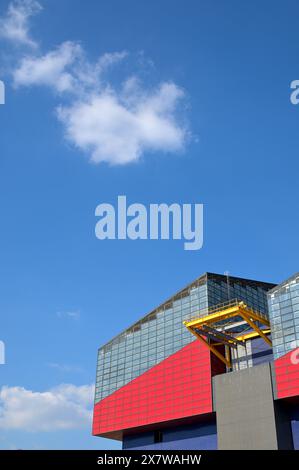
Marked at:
<point>226,273</point>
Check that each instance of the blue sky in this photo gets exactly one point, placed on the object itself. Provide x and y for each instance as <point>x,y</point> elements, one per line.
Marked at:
<point>230,142</point>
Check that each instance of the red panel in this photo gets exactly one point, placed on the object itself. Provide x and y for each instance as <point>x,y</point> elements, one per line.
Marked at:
<point>178,387</point>
<point>287,374</point>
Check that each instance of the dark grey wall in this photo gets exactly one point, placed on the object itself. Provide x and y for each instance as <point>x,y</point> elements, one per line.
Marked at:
<point>185,437</point>
<point>283,425</point>
<point>246,417</point>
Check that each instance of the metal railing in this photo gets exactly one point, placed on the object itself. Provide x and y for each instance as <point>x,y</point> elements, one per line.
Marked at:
<point>223,306</point>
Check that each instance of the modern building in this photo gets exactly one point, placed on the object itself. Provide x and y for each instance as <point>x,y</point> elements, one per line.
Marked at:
<point>213,367</point>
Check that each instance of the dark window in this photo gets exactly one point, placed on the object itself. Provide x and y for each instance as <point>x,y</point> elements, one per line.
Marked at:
<point>158,437</point>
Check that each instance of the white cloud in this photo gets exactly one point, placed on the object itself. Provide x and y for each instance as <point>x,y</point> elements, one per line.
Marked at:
<point>110,58</point>
<point>119,131</point>
<point>64,407</point>
<point>14,26</point>
<point>52,69</point>
<point>89,76</point>
<point>71,314</point>
<point>111,122</point>
<point>64,367</point>
<point>65,69</point>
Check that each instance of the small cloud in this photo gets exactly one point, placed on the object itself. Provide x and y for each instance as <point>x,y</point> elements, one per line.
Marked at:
<point>51,69</point>
<point>118,129</point>
<point>14,25</point>
<point>64,367</point>
<point>64,407</point>
<point>111,122</point>
<point>109,59</point>
<point>65,69</point>
<point>71,314</point>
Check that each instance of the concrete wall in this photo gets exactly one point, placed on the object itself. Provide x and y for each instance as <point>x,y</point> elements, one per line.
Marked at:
<point>245,409</point>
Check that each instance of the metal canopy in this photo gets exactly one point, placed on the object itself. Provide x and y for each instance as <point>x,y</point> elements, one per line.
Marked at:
<point>211,327</point>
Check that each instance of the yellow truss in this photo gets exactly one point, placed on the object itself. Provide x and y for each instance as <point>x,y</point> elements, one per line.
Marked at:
<point>201,326</point>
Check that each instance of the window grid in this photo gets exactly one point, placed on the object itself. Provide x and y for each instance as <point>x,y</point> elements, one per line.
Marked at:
<point>162,333</point>
<point>284,316</point>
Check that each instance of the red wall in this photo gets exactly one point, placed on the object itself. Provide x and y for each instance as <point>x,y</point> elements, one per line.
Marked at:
<point>287,374</point>
<point>180,386</point>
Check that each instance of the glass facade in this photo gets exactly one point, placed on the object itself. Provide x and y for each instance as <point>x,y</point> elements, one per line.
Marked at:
<point>283,303</point>
<point>251,292</point>
<point>149,341</point>
<point>178,387</point>
<point>162,333</point>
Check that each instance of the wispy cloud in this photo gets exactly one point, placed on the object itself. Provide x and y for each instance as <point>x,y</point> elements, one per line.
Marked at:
<point>14,25</point>
<point>64,367</point>
<point>111,122</point>
<point>70,314</point>
<point>64,407</point>
<point>51,70</point>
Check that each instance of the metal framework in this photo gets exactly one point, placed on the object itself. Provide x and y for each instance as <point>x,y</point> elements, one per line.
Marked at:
<point>228,324</point>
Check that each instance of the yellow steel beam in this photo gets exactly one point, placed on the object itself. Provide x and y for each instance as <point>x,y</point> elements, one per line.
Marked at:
<point>239,309</point>
<point>252,334</point>
<point>222,336</point>
<point>255,316</point>
<point>228,354</point>
<point>211,347</point>
<point>236,310</point>
<point>257,329</point>
<point>214,317</point>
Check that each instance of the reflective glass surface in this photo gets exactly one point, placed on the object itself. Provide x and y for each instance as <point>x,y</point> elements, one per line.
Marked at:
<point>161,333</point>
<point>284,316</point>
